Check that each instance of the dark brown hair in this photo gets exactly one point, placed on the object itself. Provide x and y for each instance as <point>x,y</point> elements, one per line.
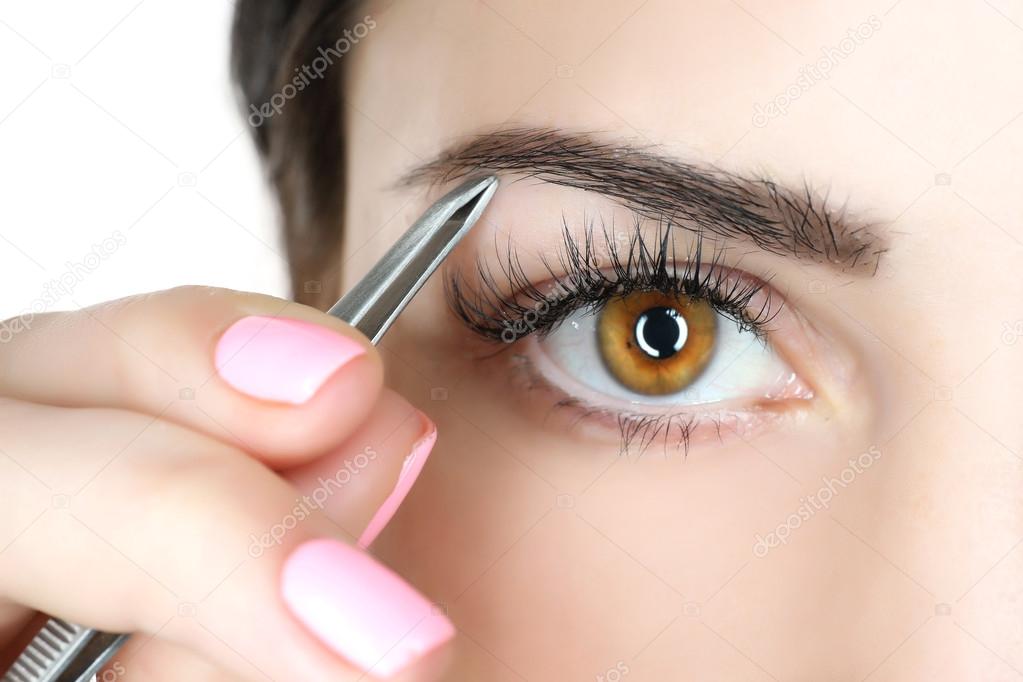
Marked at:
<point>302,143</point>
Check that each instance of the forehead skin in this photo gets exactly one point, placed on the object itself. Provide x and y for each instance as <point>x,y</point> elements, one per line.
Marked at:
<point>912,99</point>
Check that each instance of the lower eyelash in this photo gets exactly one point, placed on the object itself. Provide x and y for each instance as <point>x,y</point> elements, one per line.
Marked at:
<point>638,431</point>
<point>584,281</point>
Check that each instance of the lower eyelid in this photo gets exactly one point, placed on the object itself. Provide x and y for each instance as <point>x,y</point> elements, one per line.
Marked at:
<point>635,431</point>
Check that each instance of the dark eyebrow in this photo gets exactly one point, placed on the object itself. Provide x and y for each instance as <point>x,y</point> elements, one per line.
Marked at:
<point>775,218</point>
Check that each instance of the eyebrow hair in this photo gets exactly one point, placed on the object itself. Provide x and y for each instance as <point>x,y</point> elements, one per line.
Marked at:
<point>701,198</point>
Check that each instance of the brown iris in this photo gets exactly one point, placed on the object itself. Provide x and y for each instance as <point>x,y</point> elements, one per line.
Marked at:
<point>655,343</point>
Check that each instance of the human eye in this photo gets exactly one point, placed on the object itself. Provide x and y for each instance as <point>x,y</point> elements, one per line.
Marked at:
<point>644,332</point>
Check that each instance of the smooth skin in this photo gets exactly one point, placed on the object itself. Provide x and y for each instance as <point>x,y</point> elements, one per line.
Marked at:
<point>135,478</point>
<point>560,561</point>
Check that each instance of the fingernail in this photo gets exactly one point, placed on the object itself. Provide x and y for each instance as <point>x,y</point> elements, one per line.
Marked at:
<point>410,469</point>
<point>280,359</point>
<point>362,610</point>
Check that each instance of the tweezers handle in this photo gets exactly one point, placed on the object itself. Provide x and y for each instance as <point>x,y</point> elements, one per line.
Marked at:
<point>64,652</point>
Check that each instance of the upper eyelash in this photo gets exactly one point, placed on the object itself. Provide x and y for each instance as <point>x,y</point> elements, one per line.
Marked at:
<point>516,306</point>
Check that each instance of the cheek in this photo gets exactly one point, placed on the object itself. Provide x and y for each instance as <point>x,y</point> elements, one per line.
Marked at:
<point>693,520</point>
<point>537,550</point>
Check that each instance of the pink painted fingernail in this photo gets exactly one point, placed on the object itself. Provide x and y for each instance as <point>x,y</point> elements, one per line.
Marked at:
<point>281,359</point>
<point>410,469</point>
<point>362,610</point>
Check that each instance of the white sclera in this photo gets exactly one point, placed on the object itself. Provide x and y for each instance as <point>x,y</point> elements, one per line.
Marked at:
<point>742,367</point>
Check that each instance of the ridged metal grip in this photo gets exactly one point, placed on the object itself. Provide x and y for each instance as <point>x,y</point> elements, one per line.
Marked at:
<point>64,652</point>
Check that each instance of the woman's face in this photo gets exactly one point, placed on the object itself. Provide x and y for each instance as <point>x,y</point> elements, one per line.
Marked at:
<point>850,504</point>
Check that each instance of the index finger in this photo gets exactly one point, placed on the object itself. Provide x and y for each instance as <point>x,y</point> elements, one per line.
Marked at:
<point>281,380</point>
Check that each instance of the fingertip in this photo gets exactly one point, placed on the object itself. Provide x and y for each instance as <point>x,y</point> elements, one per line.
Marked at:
<point>290,389</point>
<point>360,609</point>
<point>281,359</point>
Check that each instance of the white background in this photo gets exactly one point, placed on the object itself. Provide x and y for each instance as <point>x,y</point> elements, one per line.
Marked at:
<point>119,116</point>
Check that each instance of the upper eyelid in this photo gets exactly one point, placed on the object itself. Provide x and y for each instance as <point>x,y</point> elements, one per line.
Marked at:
<point>499,311</point>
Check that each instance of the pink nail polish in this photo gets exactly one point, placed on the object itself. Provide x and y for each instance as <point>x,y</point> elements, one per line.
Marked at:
<point>410,469</point>
<point>281,359</point>
<point>360,609</point>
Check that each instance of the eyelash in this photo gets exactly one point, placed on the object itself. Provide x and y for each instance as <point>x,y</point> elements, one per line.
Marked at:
<point>512,306</point>
<point>507,307</point>
<point>634,427</point>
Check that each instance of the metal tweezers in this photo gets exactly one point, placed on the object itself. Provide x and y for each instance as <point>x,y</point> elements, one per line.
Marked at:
<point>65,652</point>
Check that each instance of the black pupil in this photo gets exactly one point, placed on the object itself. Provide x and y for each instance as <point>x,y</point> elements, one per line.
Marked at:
<point>658,331</point>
